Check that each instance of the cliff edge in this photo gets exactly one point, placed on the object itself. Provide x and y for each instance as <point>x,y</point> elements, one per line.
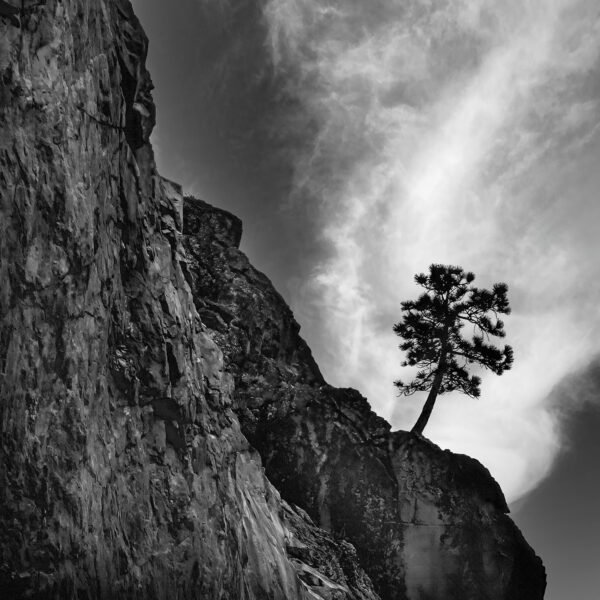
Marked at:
<point>426,523</point>
<point>164,430</point>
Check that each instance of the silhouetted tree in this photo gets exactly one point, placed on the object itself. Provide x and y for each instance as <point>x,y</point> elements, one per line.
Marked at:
<point>431,329</point>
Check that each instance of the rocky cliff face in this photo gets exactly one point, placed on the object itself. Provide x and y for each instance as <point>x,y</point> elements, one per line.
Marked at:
<point>148,372</point>
<point>124,473</point>
<point>426,523</point>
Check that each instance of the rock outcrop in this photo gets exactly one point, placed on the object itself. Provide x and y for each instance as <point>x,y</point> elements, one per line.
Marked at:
<point>148,372</point>
<point>426,523</point>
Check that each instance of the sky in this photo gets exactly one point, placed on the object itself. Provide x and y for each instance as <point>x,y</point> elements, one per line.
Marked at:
<point>359,143</point>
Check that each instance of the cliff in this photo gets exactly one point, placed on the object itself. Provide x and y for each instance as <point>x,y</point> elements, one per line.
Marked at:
<point>426,523</point>
<point>164,430</point>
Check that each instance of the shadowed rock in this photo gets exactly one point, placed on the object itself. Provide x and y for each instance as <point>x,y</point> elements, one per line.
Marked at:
<point>10,12</point>
<point>426,523</point>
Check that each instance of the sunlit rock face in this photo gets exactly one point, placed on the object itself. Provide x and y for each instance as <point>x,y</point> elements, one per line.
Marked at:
<point>427,524</point>
<point>123,469</point>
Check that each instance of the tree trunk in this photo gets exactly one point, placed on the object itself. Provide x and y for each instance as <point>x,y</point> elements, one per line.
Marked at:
<point>428,406</point>
<point>435,386</point>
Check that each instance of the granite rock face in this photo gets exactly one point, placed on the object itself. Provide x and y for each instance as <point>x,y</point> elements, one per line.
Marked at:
<point>123,470</point>
<point>148,372</point>
<point>427,524</point>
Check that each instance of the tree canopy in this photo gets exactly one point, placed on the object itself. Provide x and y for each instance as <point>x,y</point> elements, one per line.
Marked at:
<point>432,329</point>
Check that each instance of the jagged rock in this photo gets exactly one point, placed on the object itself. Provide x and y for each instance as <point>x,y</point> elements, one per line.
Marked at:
<point>123,470</point>
<point>427,524</point>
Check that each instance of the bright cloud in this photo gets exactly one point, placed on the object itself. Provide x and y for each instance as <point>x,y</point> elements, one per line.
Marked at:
<point>453,132</point>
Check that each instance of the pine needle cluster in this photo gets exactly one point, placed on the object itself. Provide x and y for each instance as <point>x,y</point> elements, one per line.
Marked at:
<point>433,333</point>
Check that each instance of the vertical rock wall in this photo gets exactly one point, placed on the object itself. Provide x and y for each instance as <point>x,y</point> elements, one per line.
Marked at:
<point>123,470</point>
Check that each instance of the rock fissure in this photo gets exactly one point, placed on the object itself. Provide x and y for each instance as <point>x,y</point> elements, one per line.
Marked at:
<point>101,122</point>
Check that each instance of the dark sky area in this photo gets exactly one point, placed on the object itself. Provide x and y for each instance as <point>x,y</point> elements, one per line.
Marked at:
<point>308,131</point>
<point>217,132</point>
<point>560,517</point>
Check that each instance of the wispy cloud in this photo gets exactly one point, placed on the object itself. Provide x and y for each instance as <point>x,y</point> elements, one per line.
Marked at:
<point>456,132</point>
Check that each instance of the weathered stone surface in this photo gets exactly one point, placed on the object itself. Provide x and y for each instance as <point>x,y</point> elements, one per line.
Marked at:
<point>427,524</point>
<point>123,470</point>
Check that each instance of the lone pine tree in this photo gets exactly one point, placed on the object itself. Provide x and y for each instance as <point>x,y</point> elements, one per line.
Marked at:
<point>432,332</point>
